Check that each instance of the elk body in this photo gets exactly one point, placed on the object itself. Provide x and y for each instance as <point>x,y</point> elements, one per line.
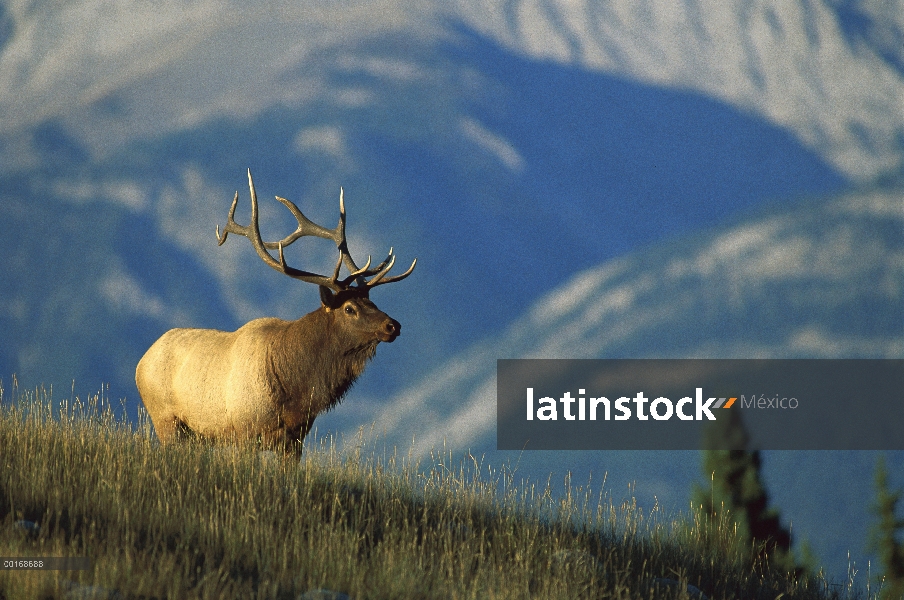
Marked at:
<point>267,381</point>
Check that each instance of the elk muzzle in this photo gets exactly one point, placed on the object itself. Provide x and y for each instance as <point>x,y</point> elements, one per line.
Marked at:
<point>390,330</point>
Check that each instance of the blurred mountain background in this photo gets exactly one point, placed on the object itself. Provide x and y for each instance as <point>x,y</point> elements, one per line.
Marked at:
<point>577,179</point>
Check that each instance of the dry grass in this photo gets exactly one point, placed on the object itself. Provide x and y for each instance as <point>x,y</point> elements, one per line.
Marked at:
<point>194,521</point>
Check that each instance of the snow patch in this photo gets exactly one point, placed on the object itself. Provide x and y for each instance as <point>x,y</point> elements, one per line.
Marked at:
<point>126,295</point>
<point>324,139</point>
<point>122,192</point>
<point>493,143</point>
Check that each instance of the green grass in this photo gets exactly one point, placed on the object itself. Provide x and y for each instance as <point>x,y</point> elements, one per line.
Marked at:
<point>195,521</point>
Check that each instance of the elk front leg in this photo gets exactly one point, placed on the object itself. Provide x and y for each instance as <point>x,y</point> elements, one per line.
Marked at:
<point>287,439</point>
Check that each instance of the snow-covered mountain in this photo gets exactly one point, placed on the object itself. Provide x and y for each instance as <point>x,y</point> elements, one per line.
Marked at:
<point>831,70</point>
<point>570,175</point>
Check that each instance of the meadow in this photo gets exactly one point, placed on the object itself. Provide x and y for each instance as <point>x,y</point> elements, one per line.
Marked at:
<point>198,521</point>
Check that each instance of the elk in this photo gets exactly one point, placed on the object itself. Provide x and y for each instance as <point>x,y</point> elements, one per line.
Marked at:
<point>266,382</point>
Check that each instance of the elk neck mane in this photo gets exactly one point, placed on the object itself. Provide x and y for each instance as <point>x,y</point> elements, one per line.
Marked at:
<point>315,362</point>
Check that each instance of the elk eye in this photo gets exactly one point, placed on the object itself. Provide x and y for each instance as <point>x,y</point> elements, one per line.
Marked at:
<point>349,310</point>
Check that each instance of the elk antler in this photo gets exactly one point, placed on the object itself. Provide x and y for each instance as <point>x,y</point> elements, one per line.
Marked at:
<point>306,227</point>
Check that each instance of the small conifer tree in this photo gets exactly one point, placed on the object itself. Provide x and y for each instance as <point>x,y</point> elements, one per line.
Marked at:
<point>885,535</point>
<point>738,487</point>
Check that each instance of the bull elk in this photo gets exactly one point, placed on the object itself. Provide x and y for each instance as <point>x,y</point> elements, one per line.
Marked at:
<point>267,381</point>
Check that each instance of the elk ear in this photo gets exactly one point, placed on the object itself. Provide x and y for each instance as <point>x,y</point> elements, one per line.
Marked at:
<point>328,298</point>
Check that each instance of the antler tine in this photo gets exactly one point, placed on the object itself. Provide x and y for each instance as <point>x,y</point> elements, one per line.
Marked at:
<point>345,256</point>
<point>336,272</point>
<point>248,231</point>
<point>354,276</point>
<point>306,227</point>
<point>252,232</point>
<point>378,280</point>
<point>381,274</point>
<point>361,272</point>
<point>343,245</point>
<point>365,272</point>
<point>403,275</point>
<point>231,225</point>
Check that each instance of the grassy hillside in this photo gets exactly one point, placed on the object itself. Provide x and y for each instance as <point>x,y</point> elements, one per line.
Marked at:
<point>194,521</point>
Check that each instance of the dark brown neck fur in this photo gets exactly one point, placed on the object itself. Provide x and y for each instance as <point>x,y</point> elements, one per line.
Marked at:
<point>316,362</point>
